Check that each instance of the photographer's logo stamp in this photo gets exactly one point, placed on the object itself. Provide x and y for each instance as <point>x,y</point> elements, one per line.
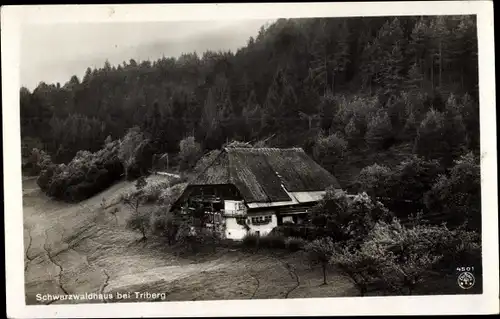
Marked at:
<point>466,280</point>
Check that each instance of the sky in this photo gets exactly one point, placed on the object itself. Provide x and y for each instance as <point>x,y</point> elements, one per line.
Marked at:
<point>53,53</point>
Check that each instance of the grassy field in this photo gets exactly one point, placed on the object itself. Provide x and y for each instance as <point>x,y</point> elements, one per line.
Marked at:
<point>83,248</point>
<point>77,249</point>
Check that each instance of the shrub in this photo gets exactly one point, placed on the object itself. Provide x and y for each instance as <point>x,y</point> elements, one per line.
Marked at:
<point>412,178</point>
<point>429,141</point>
<point>175,227</point>
<point>458,196</point>
<point>250,240</point>
<point>410,128</point>
<point>355,114</point>
<point>374,180</point>
<point>352,132</point>
<point>458,247</point>
<point>36,162</point>
<point>164,225</point>
<point>303,231</point>
<point>152,192</point>
<point>192,238</point>
<point>470,112</point>
<point>331,213</point>
<point>379,130</point>
<point>295,243</point>
<point>455,134</point>
<point>360,265</point>
<point>272,241</point>
<point>442,136</point>
<point>396,109</point>
<point>186,236</point>
<point>139,221</point>
<point>45,178</point>
<point>133,199</point>
<point>28,144</point>
<point>108,140</point>
<point>345,217</point>
<point>403,257</point>
<point>190,152</point>
<point>320,252</point>
<point>170,194</point>
<point>135,153</point>
<point>87,174</point>
<point>329,150</point>
<point>162,192</point>
<point>406,254</point>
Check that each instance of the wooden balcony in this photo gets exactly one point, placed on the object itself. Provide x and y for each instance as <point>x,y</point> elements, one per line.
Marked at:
<point>234,213</point>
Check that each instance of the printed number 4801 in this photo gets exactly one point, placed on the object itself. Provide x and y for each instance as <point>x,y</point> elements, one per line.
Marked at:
<point>465,268</point>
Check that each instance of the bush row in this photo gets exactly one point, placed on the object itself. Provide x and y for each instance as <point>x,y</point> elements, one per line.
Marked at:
<point>273,241</point>
<point>419,185</point>
<point>86,175</point>
<point>162,192</point>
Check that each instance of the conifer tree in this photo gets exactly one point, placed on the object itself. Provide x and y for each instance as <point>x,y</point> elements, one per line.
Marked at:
<point>414,78</point>
<point>440,35</point>
<point>379,129</point>
<point>393,70</point>
<point>429,142</point>
<point>418,48</point>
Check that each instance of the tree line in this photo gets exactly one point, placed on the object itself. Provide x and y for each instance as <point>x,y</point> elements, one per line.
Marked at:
<point>334,86</point>
<point>353,92</point>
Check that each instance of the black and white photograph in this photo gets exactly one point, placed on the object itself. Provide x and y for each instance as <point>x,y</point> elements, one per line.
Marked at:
<point>266,157</point>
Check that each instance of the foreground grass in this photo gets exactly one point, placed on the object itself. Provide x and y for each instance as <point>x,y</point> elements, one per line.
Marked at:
<point>83,249</point>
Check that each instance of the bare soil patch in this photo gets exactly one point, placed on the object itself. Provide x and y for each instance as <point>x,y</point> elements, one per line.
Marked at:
<point>81,248</point>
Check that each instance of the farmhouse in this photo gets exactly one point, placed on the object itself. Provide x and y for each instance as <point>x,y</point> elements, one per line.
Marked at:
<point>257,189</point>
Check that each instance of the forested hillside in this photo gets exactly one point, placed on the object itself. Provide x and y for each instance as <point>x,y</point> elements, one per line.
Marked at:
<point>347,90</point>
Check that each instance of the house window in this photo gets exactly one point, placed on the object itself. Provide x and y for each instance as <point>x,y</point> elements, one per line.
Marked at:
<point>240,220</point>
<point>261,220</point>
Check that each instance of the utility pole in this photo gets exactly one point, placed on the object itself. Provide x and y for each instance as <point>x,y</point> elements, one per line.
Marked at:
<point>213,225</point>
<point>440,65</point>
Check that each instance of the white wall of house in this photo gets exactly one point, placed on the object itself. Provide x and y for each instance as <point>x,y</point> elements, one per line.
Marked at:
<point>234,230</point>
<point>287,219</point>
<point>234,208</point>
<point>265,228</point>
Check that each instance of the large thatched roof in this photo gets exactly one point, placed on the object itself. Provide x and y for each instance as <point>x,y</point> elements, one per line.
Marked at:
<point>266,174</point>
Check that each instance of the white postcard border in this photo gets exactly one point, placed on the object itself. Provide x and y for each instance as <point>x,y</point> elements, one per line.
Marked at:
<point>14,16</point>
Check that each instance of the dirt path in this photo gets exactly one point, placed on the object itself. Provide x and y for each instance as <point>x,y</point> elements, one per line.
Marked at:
<point>81,249</point>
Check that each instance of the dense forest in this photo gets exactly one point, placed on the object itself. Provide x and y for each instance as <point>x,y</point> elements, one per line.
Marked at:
<point>372,81</point>
<point>353,92</point>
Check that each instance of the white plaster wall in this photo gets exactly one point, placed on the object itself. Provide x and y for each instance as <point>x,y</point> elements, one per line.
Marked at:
<point>287,219</point>
<point>264,229</point>
<point>231,208</point>
<point>234,230</point>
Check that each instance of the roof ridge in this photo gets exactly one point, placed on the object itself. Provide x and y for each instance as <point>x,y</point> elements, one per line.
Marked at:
<point>299,149</point>
<point>279,179</point>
